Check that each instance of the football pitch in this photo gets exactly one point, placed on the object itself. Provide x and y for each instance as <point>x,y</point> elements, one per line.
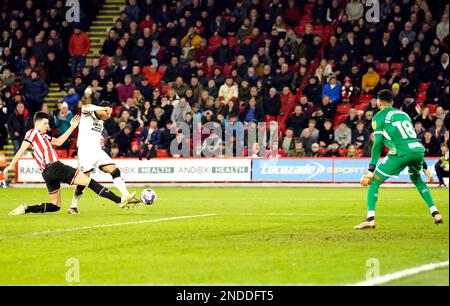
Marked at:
<point>239,236</point>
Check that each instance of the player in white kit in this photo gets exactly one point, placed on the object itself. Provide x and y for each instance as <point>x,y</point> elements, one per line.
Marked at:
<point>90,153</point>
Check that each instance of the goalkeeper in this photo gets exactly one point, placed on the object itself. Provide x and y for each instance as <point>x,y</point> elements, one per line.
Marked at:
<point>393,128</point>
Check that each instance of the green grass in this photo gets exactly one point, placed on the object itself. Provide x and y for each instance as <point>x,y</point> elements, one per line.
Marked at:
<point>257,236</point>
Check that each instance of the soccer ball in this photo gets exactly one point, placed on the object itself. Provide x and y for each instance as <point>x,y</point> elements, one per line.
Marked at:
<point>148,196</point>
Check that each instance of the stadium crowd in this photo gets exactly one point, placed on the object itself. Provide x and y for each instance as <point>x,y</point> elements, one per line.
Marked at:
<point>311,66</point>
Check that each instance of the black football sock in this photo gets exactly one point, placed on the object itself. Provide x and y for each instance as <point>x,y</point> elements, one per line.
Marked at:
<point>42,208</point>
<point>103,191</point>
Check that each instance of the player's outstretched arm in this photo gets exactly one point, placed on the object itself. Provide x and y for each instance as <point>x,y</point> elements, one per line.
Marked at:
<point>61,139</point>
<point>23,148</point>
<point>376,152</point>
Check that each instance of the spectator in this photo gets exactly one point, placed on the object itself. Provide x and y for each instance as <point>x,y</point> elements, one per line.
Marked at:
<point>18,124</point>
<point>347,90</point>
<point>430,145</point>
<point>425,118</point>
<point>315,151</point>
<point>370,80</point>
<point>126,89</point>
<point>180,110</point>
<point>229,90</point>
<point>442,28</point>
<point>312,131</point>
<point>307,139</point>
<point>442,166</point>
<point>252,112</point>
<point>334,150</point>
<point>272,103</point>
<point>360,135</point>
<point>297,151</point>
<point>333,90</point>
<point>352,151</point>
<point>297,121</point>
<point>343,135</point>
<point>124,138</point>
<point>438,130</point>
<point>71,100</point>
<point>148,151</point>
<point>287,142</point>
<point>79,46</point>
<point>354,10</point>
<point>135,151</point>
<point>151,134</point>
<point>35,90</point>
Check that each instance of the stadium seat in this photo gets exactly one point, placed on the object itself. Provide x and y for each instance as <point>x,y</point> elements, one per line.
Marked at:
<point>342,151</point>
<point>162,153</point>
<point>421,97</point>
<point>360,152</point>
<point>138,131</point>
<point>382,68</point>
<point>365,98</point>
<point>145,69</point>
<point>231,41</point>
<point>432,108</point>
<point>117,110</point>
<point>61,153</point>
<point>300,29</point>
<point>317,29</point>
<point>323,151</point>
<point>397,66</point>
<point>361,106</point>
<point>344,108</point>
<point>423,86</point>
<point>103,60</point>
<point>215,41</point>
<point>227,69</point>
<point>338,119</point>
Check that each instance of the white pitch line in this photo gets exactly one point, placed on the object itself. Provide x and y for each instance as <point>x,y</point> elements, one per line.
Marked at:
<point>401,274</point>
<point>72,229</point>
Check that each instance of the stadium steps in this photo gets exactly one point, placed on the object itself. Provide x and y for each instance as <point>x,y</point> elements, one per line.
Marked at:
<point>54,95</point>
<point>99,29</point>
<point>9,153</point>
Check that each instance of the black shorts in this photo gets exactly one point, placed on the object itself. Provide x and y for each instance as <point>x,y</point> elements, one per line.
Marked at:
<point>56,173</point>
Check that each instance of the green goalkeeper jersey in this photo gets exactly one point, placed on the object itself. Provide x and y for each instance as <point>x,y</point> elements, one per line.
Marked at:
<point>398,132</point>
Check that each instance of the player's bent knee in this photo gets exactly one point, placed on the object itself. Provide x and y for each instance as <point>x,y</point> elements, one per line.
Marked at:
<point>82,179</point>
<point>115,173</point>
<point>415,178</point>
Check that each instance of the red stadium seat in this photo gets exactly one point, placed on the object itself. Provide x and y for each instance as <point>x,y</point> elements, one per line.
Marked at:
<point>300,29</point>
<point>382,68</point>
<point>145,69</point>
<point>162,153</point>
<point>227,69</point>
<point>421,97</point>
<point>423,86</point>
<point>361,106</point>
<point>117,110</point>
<point>138,131</point>
<point>317,29</point>
<point>432,108</point>
<point>397,66</point>
<point>323,151</point>
<point>365,98</point>
<point>61,153</point>
<point>342,151</point>
<point>360,152</point>
<point>215,41</point>
<point>338,119</point>
<point>231,41</point>
<point>343,108</point>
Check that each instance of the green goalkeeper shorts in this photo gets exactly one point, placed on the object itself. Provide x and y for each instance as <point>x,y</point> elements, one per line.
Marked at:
<point>392,165</point>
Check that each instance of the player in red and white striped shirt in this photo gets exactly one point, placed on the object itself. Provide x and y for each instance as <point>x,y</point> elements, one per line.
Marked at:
<point>53,171</point>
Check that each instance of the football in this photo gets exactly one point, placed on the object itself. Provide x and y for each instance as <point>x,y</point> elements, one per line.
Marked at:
<point>148,196</point>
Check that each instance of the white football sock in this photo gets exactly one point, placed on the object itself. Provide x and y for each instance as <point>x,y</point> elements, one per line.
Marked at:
<point>371,213</point>
<point>76,199</point>
<point>433,209</point>
<point>120,184</point>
